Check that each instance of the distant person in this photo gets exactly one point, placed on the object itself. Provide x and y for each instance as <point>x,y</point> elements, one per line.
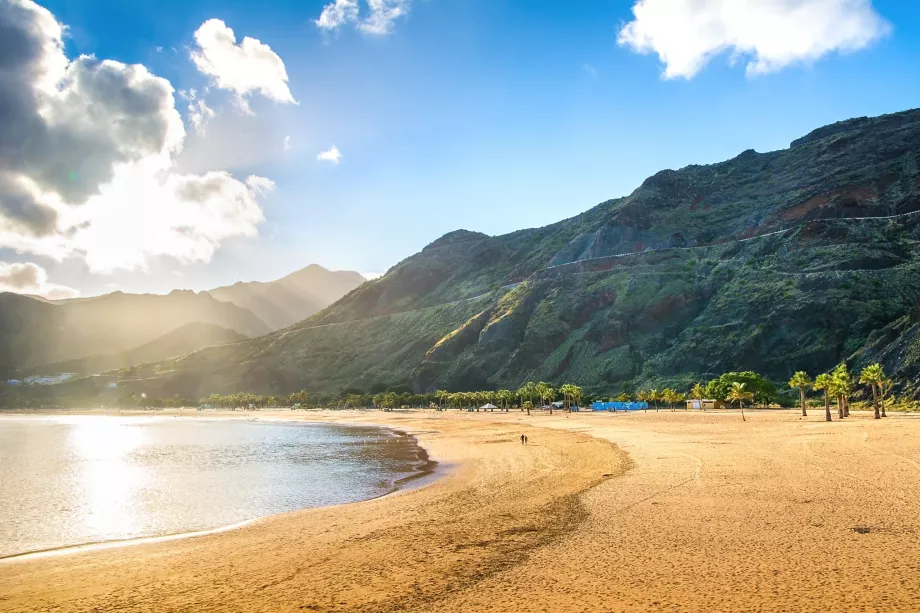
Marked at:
<point>523,440</point>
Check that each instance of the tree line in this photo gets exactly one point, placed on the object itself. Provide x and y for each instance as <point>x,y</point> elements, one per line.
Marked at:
<point>840,385</point>
<point>734,388</point>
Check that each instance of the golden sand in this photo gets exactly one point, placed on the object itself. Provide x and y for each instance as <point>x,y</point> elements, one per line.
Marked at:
<point>686,512</point>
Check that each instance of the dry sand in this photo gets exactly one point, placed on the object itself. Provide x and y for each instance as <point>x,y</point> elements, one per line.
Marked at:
<point>687,512</point>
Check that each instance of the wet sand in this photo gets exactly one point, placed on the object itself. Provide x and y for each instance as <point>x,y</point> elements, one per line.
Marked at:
<point>686,512</point>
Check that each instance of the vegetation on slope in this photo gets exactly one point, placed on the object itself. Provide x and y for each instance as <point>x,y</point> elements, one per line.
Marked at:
<point>751,264</point>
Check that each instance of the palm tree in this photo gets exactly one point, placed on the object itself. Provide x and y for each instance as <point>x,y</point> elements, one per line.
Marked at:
<point>577,394</point>
<point>883,387</point>
<point>443,396</point>
<point>801,380</point>
<point>873,375</point>
<point>825,382</point>
<point>654,396</point>
<point>668,395</point>
<point>566,391</point>
<point>527,390</point>
<point>698,393</point>
<point>505,396</point>
<point>643,396</point>
<point>546,394</point>
<point>738,394</point>
<point>844,388</point>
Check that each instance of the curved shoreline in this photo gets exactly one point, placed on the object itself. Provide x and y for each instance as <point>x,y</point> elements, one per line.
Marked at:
<point>497,502</point>
<point>425,472</point>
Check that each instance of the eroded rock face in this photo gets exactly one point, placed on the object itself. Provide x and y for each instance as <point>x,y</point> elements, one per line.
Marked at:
<point>752,263</point>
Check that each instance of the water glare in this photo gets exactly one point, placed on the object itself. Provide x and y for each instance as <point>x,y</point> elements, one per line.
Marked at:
<point>73,480</point>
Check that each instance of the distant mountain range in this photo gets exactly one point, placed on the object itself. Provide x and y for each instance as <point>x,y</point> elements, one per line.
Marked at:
<point>118,330</point>
<point>293,298</point>
<point>790,260</point>
<point>180,341</point>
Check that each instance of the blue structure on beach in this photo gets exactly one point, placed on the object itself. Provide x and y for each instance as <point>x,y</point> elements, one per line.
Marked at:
<point>620,406</point>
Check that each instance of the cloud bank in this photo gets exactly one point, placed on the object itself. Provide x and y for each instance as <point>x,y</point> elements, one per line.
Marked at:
<point>87,151</point>
<point>768,34</point>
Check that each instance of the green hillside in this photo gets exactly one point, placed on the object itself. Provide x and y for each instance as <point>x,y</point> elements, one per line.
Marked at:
<point>186,339</point>
<point>794,259</point>
<point>34,332</point>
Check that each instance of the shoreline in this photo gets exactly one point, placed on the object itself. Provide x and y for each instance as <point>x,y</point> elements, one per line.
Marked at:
<point>626,512</point>
<point>425,473</point>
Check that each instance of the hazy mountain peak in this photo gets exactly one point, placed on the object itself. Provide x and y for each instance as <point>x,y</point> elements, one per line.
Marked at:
<point>292,298</point>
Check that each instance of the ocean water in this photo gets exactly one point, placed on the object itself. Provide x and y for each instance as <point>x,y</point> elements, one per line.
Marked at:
<point>74,480</point>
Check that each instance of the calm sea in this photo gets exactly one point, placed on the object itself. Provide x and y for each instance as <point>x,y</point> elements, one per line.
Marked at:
<point>73,480</point>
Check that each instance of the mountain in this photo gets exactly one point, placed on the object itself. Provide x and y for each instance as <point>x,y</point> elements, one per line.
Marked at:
<point>181,341</point>
<point>34,332</point>
<point>775,262</point>
<point>286,301</point>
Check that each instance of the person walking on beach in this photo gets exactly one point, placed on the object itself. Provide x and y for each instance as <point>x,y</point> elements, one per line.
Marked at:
<point>523,439</point>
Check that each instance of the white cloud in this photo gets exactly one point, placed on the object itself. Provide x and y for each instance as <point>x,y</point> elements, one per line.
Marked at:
<point>330,155</point>
<point>87,159</point>
<point>381,15</point>
<point>287,143</point>
<point>588,68</point>
<point>370,276</point>
<point>244,68</point>
<point>337,14</point>
<point>768,34</point>
<point>29,278</point>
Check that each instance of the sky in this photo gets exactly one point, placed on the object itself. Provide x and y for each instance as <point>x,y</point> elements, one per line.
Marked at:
<point>150,146</point>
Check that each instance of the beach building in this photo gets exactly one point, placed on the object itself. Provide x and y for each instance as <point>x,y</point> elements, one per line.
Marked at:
<point>705,405</point>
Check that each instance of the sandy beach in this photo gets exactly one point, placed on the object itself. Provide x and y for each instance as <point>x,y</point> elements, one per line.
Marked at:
<point>627,512</point>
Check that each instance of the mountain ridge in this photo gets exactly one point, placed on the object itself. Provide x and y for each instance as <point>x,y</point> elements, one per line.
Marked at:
<point>292,298</point>
<point>754,262</point>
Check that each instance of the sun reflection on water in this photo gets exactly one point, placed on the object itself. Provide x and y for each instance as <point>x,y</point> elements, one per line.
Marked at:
<point>108,481</point>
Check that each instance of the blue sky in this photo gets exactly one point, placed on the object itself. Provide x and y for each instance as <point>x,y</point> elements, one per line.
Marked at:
<point>489,115</point>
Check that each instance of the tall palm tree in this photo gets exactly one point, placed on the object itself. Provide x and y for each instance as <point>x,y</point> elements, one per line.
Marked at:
<point>844,388</point>
<point>527,390</point>
<point>873,375</point>
<point>883,388</point>
<point>546,394</point>
<point>654,396</point>
<point>566,391</point>
<point>738,394</point>
<point>668,395</point>
<point>577,394</point>
<point>825,383</point>
<point>802,381</point>
<point>698,393</point>
<point>505,396</point>
<point>836,390</point>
